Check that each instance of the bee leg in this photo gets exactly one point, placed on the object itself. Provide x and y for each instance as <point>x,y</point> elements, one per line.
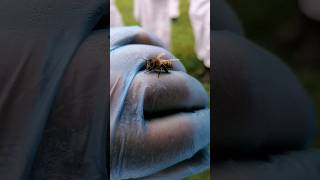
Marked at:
<point>164,68</point>
<point>148,69</point>
<point>158,74</point>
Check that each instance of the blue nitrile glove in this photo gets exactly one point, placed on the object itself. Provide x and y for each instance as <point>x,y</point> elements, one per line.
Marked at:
<point>39,39</point>
<point>159,127</point>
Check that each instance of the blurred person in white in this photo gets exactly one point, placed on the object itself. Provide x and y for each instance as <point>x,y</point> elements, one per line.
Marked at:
<point>174,9</point>
<point>310,8</point>
<point>115,16</point>
<point>199,12</point>
<point>154,16</point>
<point>136,10</point>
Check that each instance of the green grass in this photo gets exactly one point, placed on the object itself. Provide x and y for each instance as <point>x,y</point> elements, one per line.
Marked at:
<point>182,46</point>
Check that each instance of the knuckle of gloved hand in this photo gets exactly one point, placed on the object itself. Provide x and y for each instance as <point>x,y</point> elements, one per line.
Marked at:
<point>133,35</point>
<point>159,93</point>
<point>182,91</point>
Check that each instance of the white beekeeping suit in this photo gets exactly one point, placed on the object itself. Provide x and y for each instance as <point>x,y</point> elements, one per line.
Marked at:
<point>115,17</point>
<point>174,9</point>
<point>310,8</point>
<point>154,17</point>
<point>136,9</point>
<point>199,12</point>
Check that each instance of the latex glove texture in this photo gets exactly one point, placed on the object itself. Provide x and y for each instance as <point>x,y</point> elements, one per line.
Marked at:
<point>159,127</point>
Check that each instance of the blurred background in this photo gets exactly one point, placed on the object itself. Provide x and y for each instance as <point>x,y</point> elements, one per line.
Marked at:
<point>282,28</point>
<point>182,46</point>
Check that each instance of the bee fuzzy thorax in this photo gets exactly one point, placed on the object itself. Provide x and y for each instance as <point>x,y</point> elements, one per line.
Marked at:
<point>159,64</point>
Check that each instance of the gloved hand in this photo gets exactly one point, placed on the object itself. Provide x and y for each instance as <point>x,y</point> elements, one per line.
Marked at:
<point>264,120</point>
<point>39,39</point>
<point>159,127</point>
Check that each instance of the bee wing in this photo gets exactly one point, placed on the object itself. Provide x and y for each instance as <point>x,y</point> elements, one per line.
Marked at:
<point>174,59</point>
<point>160,55</point>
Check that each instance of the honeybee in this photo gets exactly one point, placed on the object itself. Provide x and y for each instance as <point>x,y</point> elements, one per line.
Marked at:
<point>159,64</point>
